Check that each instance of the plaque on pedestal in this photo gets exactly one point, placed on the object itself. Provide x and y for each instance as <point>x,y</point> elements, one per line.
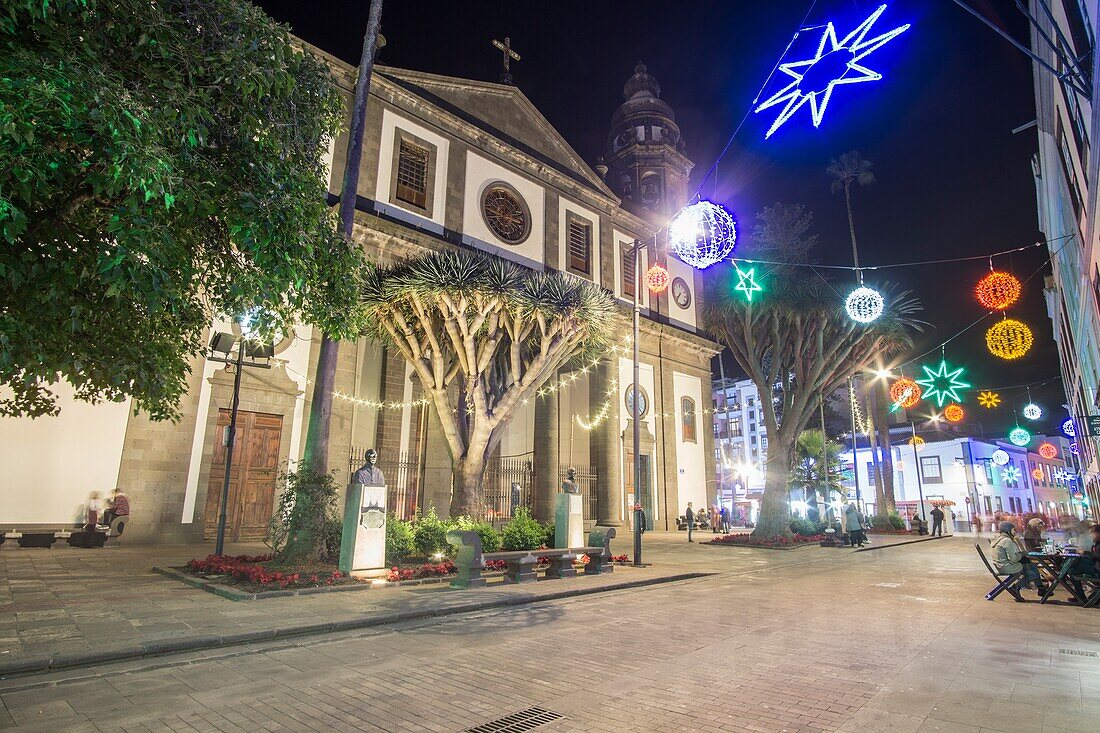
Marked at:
<point>568,521</point>
<point>363,541</point>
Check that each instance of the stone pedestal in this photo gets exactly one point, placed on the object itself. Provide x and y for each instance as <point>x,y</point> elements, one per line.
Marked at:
<point>568,521</point>
<point>363,540</point>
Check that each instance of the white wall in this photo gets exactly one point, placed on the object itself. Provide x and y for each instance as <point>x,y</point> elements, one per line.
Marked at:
<point>690,473</point>
<point>51,464</point>
<point>621,241</point>
<point>573,403</point>
<point>626,378</point>
<point>390,121</point>
<point>682,316</point>
<point>480,173</point>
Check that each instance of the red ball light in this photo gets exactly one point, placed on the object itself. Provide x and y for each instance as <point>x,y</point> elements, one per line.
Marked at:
<point>905,392</point>
<point>1048,451</point>
<point>997,290</point>
<point>656,279</point>
<point>953,413</point>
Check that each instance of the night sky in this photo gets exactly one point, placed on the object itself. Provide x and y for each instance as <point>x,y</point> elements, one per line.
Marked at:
<point>952,178</point>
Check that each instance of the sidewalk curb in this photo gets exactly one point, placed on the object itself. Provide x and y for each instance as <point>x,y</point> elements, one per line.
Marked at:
<point>899,544</point>
<point>39,664</point>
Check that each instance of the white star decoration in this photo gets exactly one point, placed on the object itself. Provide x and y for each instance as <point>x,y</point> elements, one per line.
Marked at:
<point>841,56</point>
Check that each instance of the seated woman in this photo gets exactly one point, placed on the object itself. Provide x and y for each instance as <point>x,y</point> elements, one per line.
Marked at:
<point>1008,558</point>
<point>1033,535</point>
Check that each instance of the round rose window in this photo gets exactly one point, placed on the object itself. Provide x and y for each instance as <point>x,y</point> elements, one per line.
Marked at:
<point>505,213</point>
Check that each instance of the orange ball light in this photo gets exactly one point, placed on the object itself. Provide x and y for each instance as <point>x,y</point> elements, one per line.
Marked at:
<point>1048,451</point>
<point>1037,474</point>
<point>656,279</point>
<point>997,290</point>
<point>905,392</point>
<point>953,413</point>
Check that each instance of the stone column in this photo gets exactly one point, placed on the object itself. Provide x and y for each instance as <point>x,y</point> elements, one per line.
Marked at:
<point>546,456</point>
<point>606,446</point>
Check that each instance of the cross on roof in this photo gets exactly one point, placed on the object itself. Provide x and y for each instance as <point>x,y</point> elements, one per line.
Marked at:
<point>509,55</point>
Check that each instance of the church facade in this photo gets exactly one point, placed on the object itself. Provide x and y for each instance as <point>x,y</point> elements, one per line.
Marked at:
<point>448,163</point>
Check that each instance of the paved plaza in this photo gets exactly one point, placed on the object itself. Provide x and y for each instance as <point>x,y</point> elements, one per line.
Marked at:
<point>898,639</point>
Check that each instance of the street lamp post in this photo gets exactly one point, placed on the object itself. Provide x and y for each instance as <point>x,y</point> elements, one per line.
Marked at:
<point>855,447</point>
<point>222,343</point>
<point>916,460</point>
<point>639,514</point>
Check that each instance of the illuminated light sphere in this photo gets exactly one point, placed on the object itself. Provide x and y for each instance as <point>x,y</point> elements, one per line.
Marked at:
<point>1019,436</point>
<point>1000,457</point>
<point>838,61</point>
<point>997,290</point>
<point>864,305</point>
<point>942,383</point>
<point>916,441</point>
<point>1011,473</point>
<point>1037,474</point>
<point>1032,411</point>
<point>905,392</point>
<point>1009,339</point>
<point>656,279</point>
<point>953,413</point>
<point>702,234</point>
<point>989,399</point>
<point>1068,428</point>
<point>1048,451</point>
<point>1074,449</point>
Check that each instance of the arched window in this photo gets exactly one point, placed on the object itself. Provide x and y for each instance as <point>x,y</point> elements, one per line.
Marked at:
<point>688,419</point>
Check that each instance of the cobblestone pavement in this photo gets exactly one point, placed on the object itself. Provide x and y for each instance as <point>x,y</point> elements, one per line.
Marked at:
<point>74,601</point>
<point>896,640</point>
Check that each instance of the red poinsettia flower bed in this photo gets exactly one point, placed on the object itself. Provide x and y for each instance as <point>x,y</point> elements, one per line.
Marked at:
<point>427,570</point>
<point>251,571</point>
<point>619,558</point>
<point>747,540</point>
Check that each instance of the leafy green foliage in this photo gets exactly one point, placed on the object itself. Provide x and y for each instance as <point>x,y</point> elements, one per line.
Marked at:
<point>896,522</point>
<point>400,540</point>
<point>307,521</point>
<point>490,537</point>
<point>802,526</point>
<point>430,534</point>
<point>523,532</point>
<point>160,163</point>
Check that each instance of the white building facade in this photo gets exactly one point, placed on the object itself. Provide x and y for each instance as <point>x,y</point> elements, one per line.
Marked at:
<point>1066,170</point>
<point>740,442</point>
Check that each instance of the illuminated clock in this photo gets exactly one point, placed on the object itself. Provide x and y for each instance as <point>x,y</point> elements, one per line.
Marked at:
<point>681,293</point>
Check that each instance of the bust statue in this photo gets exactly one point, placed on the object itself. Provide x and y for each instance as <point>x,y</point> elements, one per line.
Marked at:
<point>569,485</point>
<point>370,474</point>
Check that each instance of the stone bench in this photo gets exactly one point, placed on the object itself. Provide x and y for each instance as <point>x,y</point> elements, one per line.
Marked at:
<point>470,560</point>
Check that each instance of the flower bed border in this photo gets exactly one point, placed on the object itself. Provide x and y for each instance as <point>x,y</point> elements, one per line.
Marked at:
<point>815,541</point>
<point>228,591</point>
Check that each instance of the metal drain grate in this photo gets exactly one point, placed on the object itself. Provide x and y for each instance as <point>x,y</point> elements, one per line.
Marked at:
<point>1079,653</point>
<point>524,720</point>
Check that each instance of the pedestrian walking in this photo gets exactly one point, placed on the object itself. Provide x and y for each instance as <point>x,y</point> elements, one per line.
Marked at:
<point>715,519</point>
<point>977,522</point>
<point>725,516</point>
<point>689,515</point>
<point>937,521</point>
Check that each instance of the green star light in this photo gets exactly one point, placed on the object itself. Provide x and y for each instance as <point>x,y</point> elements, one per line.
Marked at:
<point>941,384</point>
<point>746,282</point>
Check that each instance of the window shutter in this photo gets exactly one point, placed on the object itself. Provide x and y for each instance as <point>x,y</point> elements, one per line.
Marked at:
<point>412,174</point>
<point>628,272</point>
<point>580,246</point>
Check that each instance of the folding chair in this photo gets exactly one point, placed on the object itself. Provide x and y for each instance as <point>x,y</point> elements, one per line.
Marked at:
<point>1091,585</point>
<point>1004,582</point>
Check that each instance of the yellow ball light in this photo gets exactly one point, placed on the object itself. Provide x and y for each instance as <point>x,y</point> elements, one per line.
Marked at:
<point>1009,339</point>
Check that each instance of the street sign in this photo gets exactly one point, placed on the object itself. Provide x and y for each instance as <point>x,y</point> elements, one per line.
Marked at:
<point>968,500</point>
<point>1092,425</point>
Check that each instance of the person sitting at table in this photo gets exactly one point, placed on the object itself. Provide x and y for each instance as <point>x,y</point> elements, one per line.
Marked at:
<point>1033,535</point>
<point>1009,558</point>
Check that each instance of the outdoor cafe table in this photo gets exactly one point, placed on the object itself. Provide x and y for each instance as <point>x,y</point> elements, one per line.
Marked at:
<point>1056,567</point>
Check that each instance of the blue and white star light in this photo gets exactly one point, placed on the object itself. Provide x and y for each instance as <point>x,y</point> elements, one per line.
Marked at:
<point>836,62</point>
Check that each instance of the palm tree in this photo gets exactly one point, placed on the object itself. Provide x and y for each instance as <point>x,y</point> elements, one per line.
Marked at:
<point>482,335</point>
<point>850,168</point>
<point>807,473</point>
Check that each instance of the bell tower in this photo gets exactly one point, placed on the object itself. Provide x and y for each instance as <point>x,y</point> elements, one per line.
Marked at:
<point>645,162</point>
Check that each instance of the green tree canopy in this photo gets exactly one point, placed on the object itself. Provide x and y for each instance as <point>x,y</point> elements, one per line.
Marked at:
<point>160,163</point>
<point>482,334</point>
